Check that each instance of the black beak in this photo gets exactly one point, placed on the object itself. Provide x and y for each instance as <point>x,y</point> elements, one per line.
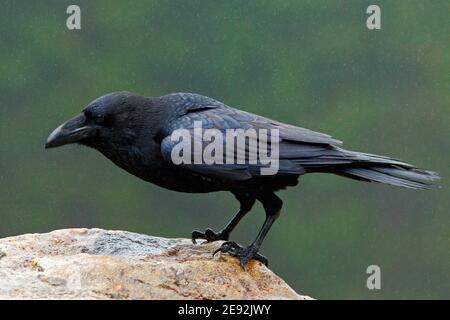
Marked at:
<point>71,131</point>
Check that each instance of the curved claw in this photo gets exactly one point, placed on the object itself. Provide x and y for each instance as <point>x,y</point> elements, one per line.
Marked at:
<point>244,254</point>
<point>196,235</point>
<point>229,247</point>
<point>209,235</point>
<point>261,259</point>
<point>215,252</point>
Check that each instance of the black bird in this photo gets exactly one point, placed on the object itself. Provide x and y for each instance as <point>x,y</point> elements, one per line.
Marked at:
<point>134,132</point>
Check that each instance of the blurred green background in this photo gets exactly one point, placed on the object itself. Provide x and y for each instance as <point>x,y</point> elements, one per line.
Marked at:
<point>310,63</point>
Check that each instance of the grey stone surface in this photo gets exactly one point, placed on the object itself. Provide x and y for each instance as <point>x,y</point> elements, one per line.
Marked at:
<point>101,264</point>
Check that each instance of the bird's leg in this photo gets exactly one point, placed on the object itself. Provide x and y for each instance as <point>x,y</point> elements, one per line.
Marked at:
<point>272,205</point>
<point>246,204</point>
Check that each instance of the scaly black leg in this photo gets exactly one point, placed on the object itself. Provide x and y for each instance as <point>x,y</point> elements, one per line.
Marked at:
<point>246,204</point>
<point>272,205</point>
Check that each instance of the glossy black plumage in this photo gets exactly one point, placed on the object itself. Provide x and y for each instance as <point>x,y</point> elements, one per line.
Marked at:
<point>134,132</point>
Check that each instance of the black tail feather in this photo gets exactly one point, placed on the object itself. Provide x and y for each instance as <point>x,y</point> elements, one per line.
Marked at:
<point>369,167</point>
<point>407,177</point>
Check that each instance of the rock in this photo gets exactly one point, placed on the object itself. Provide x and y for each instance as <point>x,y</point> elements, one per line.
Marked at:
<point>100,264</point>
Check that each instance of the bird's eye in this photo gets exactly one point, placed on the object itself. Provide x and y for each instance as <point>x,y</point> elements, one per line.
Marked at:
<point>100,119</point>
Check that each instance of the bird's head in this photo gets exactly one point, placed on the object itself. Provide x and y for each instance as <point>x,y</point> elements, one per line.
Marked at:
<point>112,119</point>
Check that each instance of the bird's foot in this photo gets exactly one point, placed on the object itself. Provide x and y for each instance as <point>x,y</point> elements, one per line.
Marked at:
<point>209,236</point>
<point>244,254</point>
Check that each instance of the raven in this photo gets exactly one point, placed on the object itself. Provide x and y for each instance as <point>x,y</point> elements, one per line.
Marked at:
<point>135,131</point>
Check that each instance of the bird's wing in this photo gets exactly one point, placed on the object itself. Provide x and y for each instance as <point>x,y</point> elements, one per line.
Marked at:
<point>293,133</point>
<point>213,113</point>
<point>230,171</point>
<point>293,141</point>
